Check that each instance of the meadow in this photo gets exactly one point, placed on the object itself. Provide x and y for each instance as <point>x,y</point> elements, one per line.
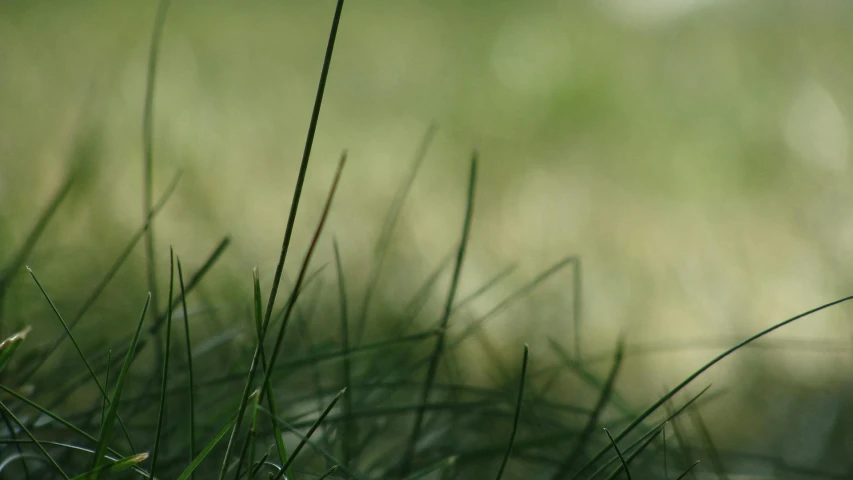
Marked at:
<point>510,227</point>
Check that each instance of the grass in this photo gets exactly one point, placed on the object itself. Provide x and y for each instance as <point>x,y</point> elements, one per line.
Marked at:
<point>274,413</point>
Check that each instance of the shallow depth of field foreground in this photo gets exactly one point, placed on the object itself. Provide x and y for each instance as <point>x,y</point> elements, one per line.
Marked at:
<point>426,240</point>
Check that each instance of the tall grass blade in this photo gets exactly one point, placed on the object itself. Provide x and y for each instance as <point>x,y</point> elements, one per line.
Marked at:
<point>112,413</point>
<point>147,148</point>
<point>306,155</point>
<point>439,347</point>
<point>190,375</point>
<point>348,430</point>
<point>517,412</point>
<point>165,378</point>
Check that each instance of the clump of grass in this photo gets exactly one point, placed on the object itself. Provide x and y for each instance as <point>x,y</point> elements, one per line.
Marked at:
<point>276,413</point>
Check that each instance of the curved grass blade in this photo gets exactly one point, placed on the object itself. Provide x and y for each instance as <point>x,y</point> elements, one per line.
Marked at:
<point>70,447</point>
<point>165,379</point>
<point>38,444</point>
<point>517,412</point>
<point>710,364</point>
<point>439,347</point>
<point>308,435</point>
<point>107,429</point>
<point>627,461</point>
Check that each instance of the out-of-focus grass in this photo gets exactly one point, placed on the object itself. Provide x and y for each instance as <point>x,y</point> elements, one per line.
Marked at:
<point>699,164</point>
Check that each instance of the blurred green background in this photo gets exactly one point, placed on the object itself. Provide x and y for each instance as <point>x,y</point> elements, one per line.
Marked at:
<point>695,153</point>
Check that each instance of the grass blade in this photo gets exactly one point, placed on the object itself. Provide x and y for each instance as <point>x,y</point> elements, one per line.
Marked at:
<point>619,453</point>
<point>306,155</point>
<point>115,466</point>
<point>191,386</point>
<point>109,422</point>
<point>348,430</point>
<point>439,347</point>
<point>147,148</point>
<point>105,281</point>
<point>710,364</point>
<point>208,448</point>
<point>10,345</point>
<point>592,421</point>
<point>307,436</point>
<point>165,380</point>
<point>689,469</point>
<point>517,412</point>
<point>38,445</point>
<point>79,352</point>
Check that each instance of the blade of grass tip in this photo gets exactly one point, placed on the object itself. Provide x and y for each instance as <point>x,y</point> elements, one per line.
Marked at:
<point>592,421</point>
<point>306,154</point>
<point>451,297</point>
<point>258,465</point>
<point>307,436</point>
<point>348,431</point>
<point>79,352</point>
<point>619,453</point>
<point>105,281</point>
<point>112,413</point>
<point>634,454</point>
<point>191,386</point>
<point>384,241</point>
<point>194,281</point>
<point>517,412</point>
<point>147,148</point>
<point>165,378</point>
<point>19,258</point>
<point>208,448</point>
<point>7,349</point>
<point>116,466</point>
<point>669,418</point>
<point>710,364</point>
<point>328,473</point>
<point>35,442</point>
<point>689,469</point>
<point>713,453</point>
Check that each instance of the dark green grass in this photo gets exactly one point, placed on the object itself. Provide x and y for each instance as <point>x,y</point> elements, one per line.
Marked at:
<point>335,401</point>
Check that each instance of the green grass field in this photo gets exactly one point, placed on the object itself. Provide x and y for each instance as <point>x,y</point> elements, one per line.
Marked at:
<point>652,184</point>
